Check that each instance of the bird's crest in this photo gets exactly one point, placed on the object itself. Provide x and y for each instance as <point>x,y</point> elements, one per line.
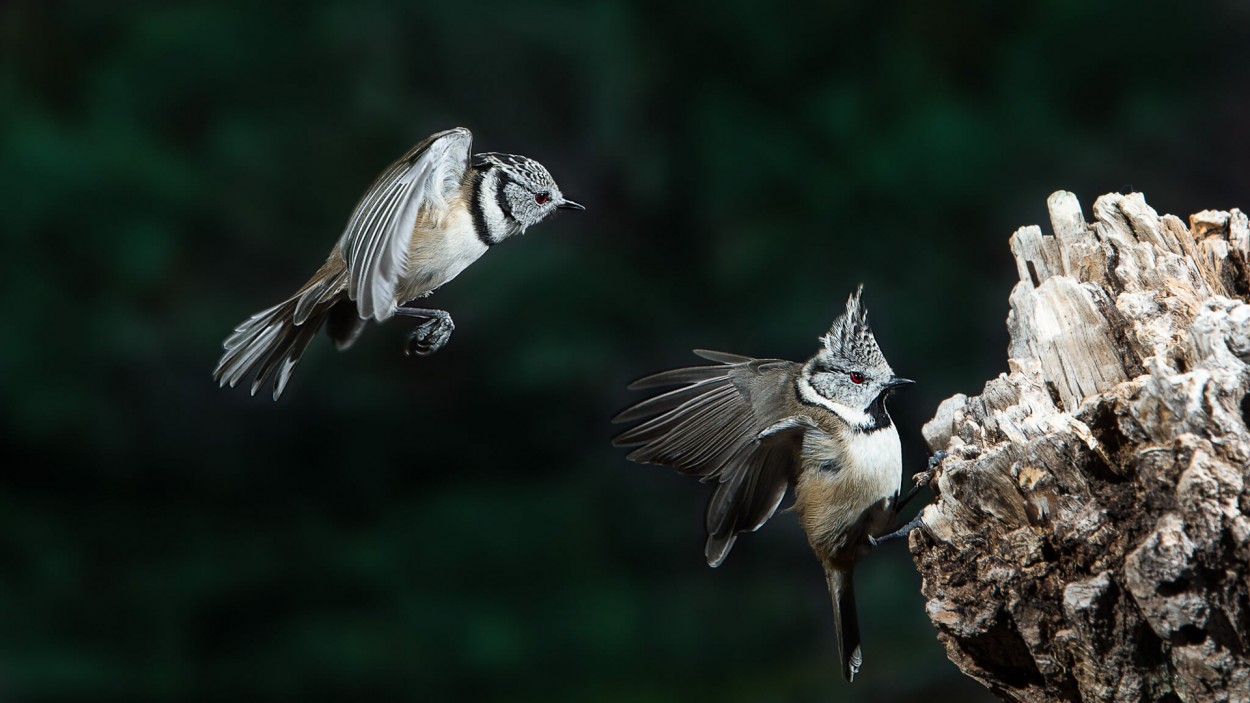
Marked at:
<point>851,339</point>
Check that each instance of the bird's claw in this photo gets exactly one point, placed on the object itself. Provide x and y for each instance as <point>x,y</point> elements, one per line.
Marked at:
<point>903,531</point>
<point>429,336</point>
<point>924,478</point>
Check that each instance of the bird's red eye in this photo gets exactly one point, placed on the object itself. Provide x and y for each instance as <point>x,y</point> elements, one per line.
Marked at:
<point>542,198</point>
<point>857,377</point>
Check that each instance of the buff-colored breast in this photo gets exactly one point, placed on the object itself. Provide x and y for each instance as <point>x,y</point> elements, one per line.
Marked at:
<point>440,249</point>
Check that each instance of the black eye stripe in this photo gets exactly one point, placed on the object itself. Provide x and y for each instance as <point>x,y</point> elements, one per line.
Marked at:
<point>838,370</point>
<point>505,180</point>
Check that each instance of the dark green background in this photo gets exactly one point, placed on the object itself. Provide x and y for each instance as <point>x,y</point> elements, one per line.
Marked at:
<point>458,527</point>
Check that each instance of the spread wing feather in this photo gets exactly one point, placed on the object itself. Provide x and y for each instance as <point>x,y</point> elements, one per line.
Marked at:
<point>722,357</point>
<point>723,423</point>
<point>375,242</point>
<point>673,377</point>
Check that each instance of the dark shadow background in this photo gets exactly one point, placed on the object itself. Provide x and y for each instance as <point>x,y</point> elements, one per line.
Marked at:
<point>458,527</point>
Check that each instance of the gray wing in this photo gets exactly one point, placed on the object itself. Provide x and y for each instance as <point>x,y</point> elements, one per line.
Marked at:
<point>375,243</point>
<point>725,423</point>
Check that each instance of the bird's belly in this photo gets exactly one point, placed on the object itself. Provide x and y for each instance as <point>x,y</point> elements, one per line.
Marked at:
<point>868,465</point>
<point>837,502</point>
<point>439,254</point>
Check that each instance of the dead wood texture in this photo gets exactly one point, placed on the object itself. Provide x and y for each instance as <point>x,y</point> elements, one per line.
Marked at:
<point>1090,539</point>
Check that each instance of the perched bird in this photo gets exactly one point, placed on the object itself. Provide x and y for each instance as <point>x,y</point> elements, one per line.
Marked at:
<point>759,426</point>
<point>423,221</point>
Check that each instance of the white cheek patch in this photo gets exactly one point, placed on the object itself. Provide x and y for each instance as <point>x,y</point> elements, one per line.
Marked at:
<point>495,220</point>
<point>853,417</point>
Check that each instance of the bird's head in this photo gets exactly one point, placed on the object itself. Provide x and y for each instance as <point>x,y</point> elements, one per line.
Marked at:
<point>849,375</point>
<point>522,189</point>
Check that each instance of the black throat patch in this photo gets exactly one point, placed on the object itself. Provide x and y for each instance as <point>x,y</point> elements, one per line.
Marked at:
<point>876,411</point>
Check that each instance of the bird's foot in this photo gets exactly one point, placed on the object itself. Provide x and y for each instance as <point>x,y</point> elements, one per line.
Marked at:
<point>430,336</point>
<point>900,532</point>
<point>924,478</point>
<point>921,479</point>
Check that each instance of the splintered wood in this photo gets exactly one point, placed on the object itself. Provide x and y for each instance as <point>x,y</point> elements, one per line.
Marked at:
<point>1089,540</point>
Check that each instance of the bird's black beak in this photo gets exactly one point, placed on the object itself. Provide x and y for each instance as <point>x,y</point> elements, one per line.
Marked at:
<point>569,205</point>
<point>895,382</point>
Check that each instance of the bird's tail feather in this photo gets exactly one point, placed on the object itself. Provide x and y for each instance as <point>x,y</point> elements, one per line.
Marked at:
<point>269,343</point>
<point>846,620</point>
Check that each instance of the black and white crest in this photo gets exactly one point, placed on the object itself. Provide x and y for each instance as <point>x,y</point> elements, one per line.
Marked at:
<point>851,339</point>
<point>521,169</point>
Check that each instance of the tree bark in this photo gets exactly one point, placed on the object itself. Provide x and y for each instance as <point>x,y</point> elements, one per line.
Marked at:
<point>1089,541</point>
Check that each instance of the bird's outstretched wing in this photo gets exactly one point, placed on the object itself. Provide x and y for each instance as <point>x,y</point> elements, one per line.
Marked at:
<point>724,423</point>
<point>375,243</point>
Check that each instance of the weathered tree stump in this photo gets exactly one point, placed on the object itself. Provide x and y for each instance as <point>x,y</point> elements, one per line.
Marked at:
<point>1089,541</point>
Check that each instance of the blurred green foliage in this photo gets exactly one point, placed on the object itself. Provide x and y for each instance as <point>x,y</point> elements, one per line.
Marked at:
<point>458,527</point>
